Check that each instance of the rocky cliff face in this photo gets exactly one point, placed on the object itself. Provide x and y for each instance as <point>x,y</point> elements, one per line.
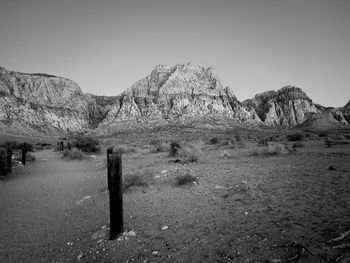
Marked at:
<point>286,107</point>
<point>290,107</point>
<point>46,104</point>
<point>346,111</point>
<point>180,95</point>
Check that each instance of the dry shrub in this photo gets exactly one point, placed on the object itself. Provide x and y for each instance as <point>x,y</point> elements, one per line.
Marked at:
<point>190,152</point>
<point>174,148</point>
<point>294,137</point>
<point>73,154</point>
<point>298,145</point>
<point>159,146</point>
<point>3,162</point>
<point>123,149</point>
<point>30,157</point>
<point>135,180</point>
<point>184,179</point>
<point>273,149</point>
<point>214,140</point>
<point>262,142</point>
<point>87,144</point>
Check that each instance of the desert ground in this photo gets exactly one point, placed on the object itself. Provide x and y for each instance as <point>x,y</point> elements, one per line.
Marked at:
<point>244,202</point>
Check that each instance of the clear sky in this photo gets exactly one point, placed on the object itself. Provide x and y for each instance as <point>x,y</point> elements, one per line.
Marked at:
<point>106,46</point>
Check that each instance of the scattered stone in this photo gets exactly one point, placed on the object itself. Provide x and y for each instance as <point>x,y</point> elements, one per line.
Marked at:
<point>164,228</point>
<point>246,213</point>
<point>219,187</point>
<point>80,256</point>
<point>103,227</point>
<point>130,234</point>
<point>83,199</point>
<point>100,234</point>
<point>155,253</point>
<point>157,176</point>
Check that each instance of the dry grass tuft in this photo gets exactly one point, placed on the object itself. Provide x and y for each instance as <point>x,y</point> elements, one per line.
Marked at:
<point>185,179</point>
<point>135,180</point>
<point>73,154</point>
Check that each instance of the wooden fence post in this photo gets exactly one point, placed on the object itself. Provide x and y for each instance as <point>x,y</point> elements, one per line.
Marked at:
<point>62,146</point>
<point>24,151</point>
<point>114,171</point>
<point>9,159</point>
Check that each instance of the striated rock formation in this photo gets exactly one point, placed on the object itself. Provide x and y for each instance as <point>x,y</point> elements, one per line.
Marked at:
<point>46,104</point>
<point>346,111</point>
<point>180,95</point>
<point>286,107</point>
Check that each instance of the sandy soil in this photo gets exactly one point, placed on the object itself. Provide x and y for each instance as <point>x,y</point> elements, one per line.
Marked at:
<point>284,208</point>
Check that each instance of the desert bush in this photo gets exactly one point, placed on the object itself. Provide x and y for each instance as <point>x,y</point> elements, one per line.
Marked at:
<point>184,179</point>
<point>3,162</point>
<point>226,155</point>
<point>237,137</point>
<point>123,149</point>
<point>322,135</point>
<point>298,145</point>
<point>86,144</point>
<point>174,148</point>
<point>229,142</point>
<point>273,149</point>
<point>262,142</point>
<point>214,140</point>
<point>347,136</point>
<point>73,154</point>
<point>190,152</point>
<point>30,157</point>
<point>294,137</point>
<point>159,146</point>
<point>12,145</point>
<point>133,180</point>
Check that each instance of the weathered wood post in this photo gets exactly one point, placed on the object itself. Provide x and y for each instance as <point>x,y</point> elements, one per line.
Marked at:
<point>9,159</point>
<point>62,147</point>
<point>69,146</point>
<point>114,171</point>
<point>24,151</point>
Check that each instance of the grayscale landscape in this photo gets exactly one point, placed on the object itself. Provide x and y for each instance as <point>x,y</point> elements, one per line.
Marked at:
<point>246,171</point>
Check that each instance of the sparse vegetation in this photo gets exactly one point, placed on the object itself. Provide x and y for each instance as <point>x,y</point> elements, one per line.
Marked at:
<point>30,157</point>
<point>73,154</point>
<point>273,149</point>
<point>214,140</point>
<point>124,149</point>
<point>159,146</point>
<point>174,148</point>
<point>262,142</point>
<point>86,144</point>
<point>134,180</point>
<point>294,137</point>
<point>3,162</point>
<point>184,179</point>
<point>298,145</point>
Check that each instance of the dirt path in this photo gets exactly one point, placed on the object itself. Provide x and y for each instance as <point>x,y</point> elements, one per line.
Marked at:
<point>40,207</point>
<point>283,208</point>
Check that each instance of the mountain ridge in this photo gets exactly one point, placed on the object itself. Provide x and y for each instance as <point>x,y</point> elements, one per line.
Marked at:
<point>184,94</point>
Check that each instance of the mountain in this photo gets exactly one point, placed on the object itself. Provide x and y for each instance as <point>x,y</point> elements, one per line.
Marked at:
<point>291,107</point>
<point>180,95</point>
<point>46,104</point>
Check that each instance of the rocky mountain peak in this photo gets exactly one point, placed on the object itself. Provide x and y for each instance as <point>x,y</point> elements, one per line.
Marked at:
<point>180,94</point>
